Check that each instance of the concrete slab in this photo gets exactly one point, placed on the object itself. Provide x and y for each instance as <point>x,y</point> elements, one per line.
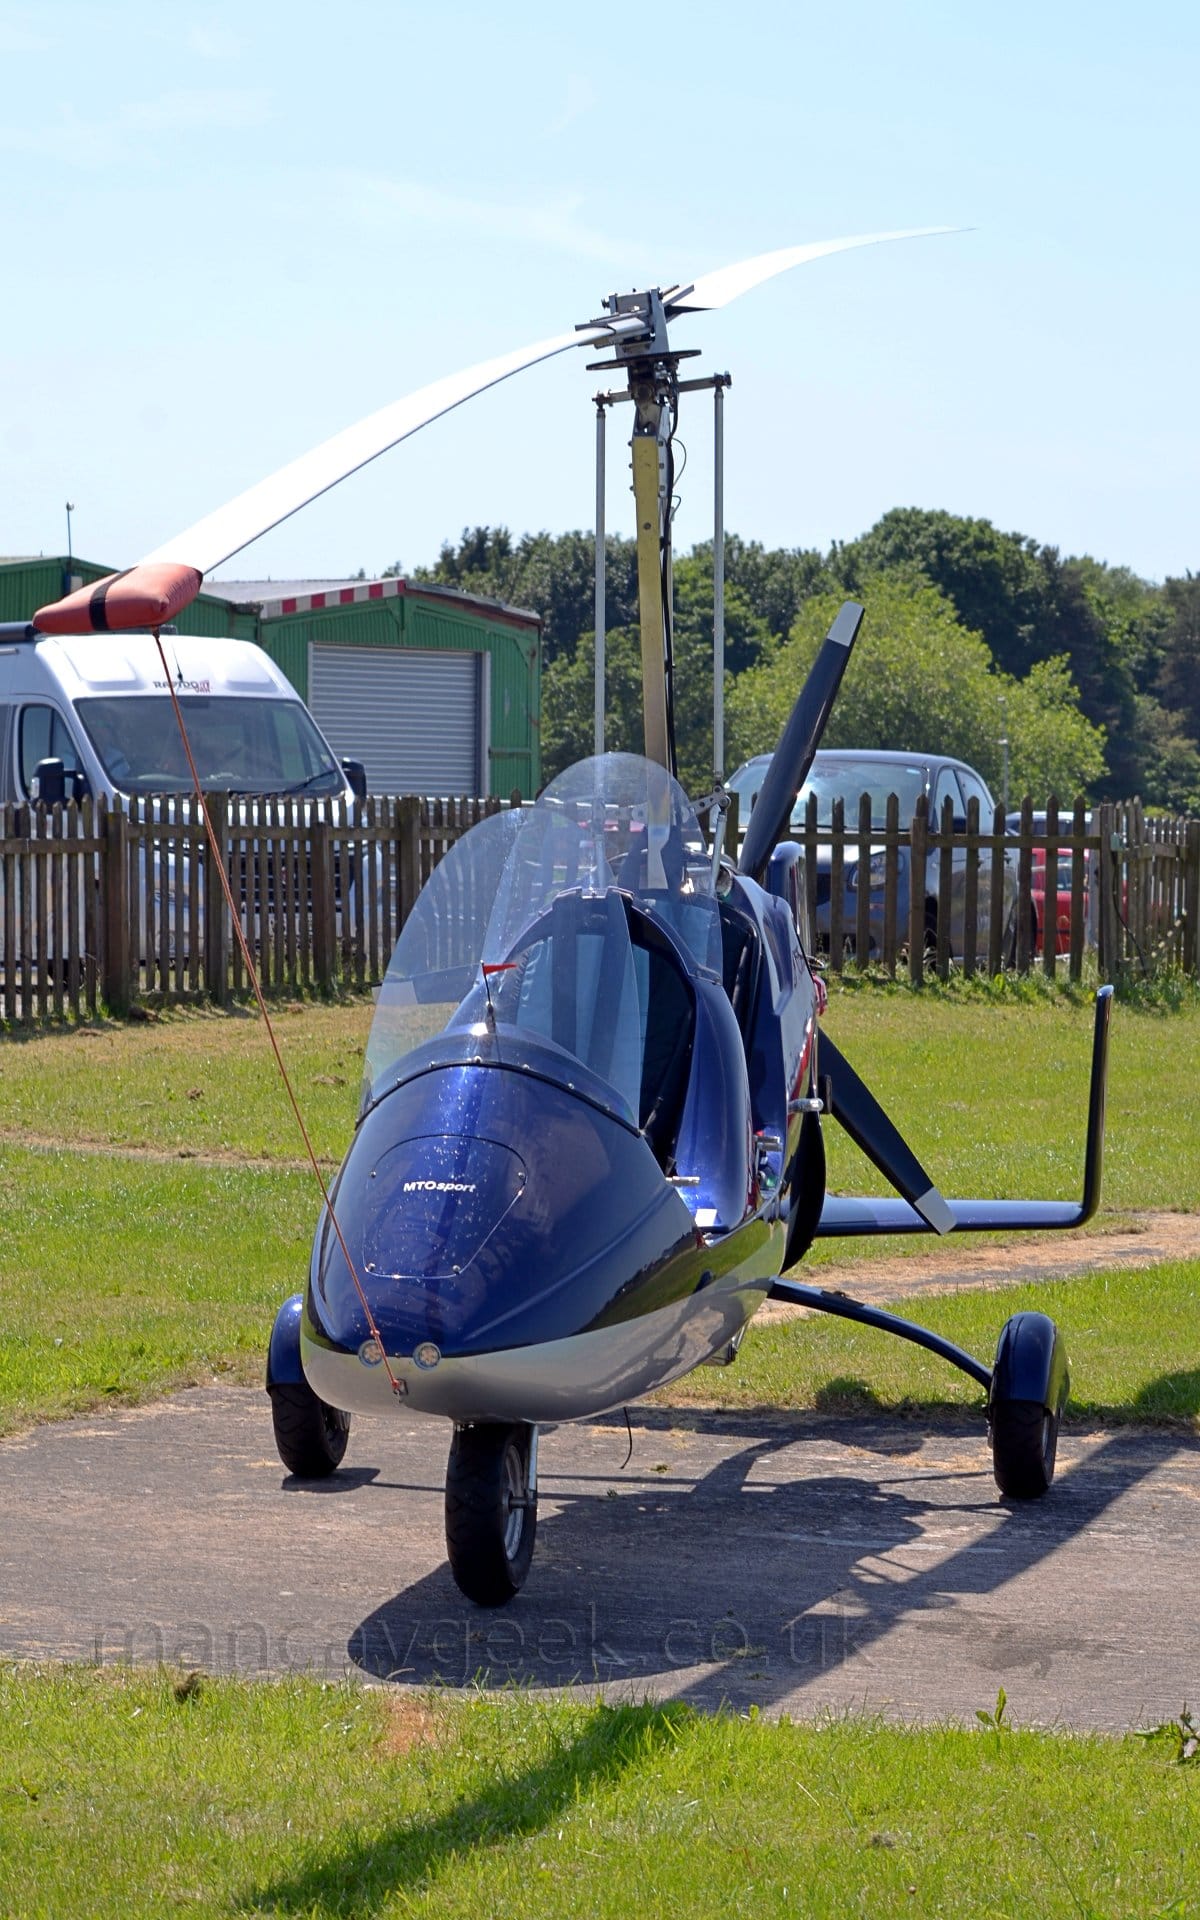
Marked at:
<point>803,1564</point>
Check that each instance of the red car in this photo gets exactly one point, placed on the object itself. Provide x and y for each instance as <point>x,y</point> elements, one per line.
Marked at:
<point>1037,890</point>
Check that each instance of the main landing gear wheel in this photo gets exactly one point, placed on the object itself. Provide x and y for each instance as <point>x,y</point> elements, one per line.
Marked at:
<point>1024,1442</point>
<point>491,1510</point>
<point>1030,1384</point>
<point>311,1435</point>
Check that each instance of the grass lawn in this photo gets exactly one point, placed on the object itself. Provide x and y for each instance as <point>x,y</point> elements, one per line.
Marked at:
<point>151,1234</point>
<point>1133,1339</point>
<point>121,1278</point>
<point>126,1794</point>
<point>989,1088</point>
<point>196,1083</point>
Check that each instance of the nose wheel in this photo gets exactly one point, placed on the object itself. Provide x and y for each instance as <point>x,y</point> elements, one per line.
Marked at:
<point>491,1509</point>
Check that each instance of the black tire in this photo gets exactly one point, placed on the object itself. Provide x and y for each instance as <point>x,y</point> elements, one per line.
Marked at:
<point>929,948</point>
<point>1024,1437</point>
<point>491,1517</point>
<point>310,1435</point>
<point>1014,941</point>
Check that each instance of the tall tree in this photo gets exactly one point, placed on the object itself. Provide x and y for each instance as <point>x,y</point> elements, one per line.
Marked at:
<point>1179,673</point>
<point>568,685</point>
<point>1030,604</point>
<point>919,679</point>
<point>553,575</point>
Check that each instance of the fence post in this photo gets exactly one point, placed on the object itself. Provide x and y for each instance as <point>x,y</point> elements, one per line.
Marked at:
<point>117,963</point>
<point>862,915</point>
<point>809,838</point>
<point>408,855</point>
<point>891,876</point>
<point>1108,874</point>
<point>324,907</point>
<point>1191,898</point>
<point>217,931</point>
<point>837,886</point>
<point>945,904</point>
<point>919,842</point>
<point>970,943</point>
<point>1050,891</point>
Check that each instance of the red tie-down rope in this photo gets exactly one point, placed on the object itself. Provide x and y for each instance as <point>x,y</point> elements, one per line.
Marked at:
<point>218,853</point>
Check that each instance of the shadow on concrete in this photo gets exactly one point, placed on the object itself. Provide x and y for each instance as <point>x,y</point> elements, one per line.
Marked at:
<point>748,1582</point>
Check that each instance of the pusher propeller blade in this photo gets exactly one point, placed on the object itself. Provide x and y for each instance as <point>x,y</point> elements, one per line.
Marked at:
<point>799,741</point>
<point>717,289</point>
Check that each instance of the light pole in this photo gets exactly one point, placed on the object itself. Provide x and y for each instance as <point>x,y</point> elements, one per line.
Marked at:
<point>1004,750</point>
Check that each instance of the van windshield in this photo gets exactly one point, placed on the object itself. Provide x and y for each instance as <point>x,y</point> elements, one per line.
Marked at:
<point>239,745</point>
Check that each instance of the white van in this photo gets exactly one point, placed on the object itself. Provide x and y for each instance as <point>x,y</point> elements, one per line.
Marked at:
<point>92,715</point>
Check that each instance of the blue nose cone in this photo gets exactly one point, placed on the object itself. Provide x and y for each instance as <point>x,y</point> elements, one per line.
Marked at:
<point>485,1208</point>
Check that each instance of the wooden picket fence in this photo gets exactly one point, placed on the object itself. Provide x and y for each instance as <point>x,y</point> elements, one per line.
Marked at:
<point>1114,884</point>
<point>112,907</point>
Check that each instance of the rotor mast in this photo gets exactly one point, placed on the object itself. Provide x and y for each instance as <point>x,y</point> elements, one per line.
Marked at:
<point>651,368</point>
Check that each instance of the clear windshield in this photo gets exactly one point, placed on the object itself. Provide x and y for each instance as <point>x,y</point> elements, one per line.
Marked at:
<point>242,745</point>
<point>526,924</point>
<point>833,779</point>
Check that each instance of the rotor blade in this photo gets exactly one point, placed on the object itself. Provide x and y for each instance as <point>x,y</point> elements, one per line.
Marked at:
<point>855,1107</point>
<point>798,742</point>
<point>220,535</point>
<point>728,283</point>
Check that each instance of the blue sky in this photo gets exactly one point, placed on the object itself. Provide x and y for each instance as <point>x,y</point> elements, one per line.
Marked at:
<point>230,231</point>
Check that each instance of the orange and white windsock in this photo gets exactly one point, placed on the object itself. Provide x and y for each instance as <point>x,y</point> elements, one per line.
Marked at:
<point>145,596</point>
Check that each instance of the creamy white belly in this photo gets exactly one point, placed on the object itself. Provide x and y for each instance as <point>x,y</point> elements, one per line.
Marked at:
<point>571,1379</point>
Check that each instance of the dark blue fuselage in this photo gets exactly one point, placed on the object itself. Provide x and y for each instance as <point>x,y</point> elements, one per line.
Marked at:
<point>531,1247</point>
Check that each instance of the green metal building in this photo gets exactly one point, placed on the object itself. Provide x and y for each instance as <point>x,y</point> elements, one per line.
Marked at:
<point>435,691</point>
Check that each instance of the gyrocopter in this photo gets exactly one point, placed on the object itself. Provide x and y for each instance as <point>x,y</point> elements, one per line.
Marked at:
<point>590,1139</point>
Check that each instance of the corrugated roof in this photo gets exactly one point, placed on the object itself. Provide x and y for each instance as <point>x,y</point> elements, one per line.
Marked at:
<point>254,592</point>
<point>275,597</point>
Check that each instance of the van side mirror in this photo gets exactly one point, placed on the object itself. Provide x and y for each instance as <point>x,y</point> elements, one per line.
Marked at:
<point>356,774</point>
<point>48,788</point>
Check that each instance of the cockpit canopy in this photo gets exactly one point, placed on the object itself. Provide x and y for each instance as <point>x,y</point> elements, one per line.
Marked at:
<point>553,921</point>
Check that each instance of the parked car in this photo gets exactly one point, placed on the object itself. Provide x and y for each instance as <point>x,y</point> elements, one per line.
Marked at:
<point>1037,887</point>
<point>848,773</point>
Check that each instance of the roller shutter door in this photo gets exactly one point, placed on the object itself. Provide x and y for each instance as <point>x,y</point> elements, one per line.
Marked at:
<point>414,719</point>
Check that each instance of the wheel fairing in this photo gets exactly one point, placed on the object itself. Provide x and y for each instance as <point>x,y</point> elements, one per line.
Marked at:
<point>1031,1363</point>
<point>284,1366</point>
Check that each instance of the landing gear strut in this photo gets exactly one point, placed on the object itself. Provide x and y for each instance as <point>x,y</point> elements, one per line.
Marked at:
<point>491,1509</point>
